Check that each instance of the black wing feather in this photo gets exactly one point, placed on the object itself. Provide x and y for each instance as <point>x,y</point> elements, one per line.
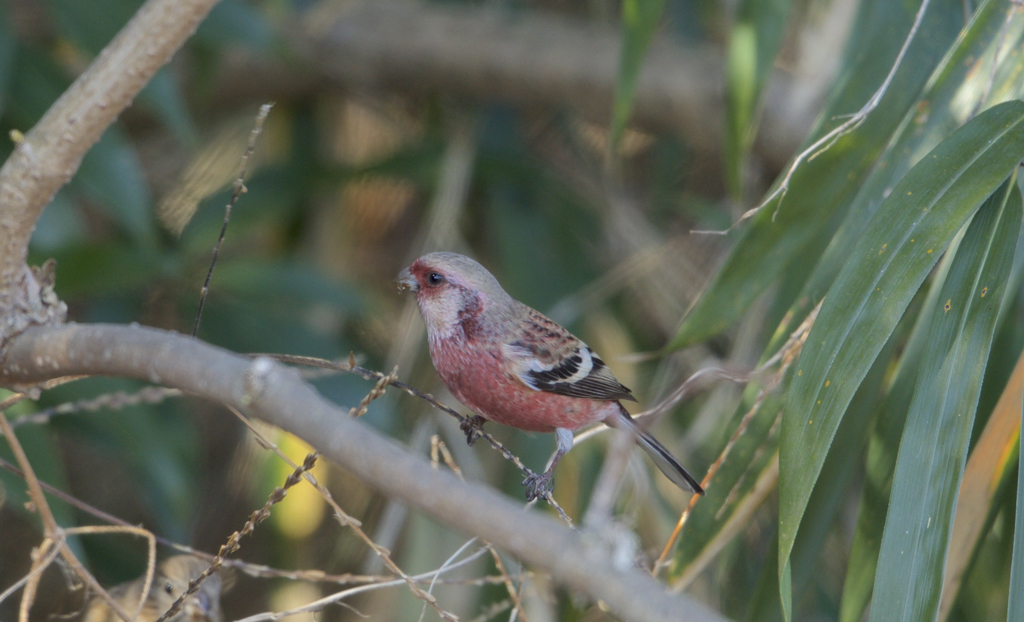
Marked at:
<point>599,384</point>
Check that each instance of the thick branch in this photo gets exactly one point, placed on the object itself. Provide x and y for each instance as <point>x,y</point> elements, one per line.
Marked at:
<point>51,152</point>
<point>528,59</point>
<point>525,59</point>
<point>278,396</point>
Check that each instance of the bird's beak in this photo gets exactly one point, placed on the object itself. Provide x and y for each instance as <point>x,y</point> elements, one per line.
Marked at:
<point>406,280</point>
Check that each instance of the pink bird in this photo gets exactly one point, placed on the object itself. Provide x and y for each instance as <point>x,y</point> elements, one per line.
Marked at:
<point>512,365</point>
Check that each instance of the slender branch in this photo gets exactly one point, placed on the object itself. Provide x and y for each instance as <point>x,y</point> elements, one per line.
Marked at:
<point>345,520</point>
<point>237,190</point>
<point>351,367</point>
<point>46,157</point>
<point>278,396</point>
<point>234,540</point>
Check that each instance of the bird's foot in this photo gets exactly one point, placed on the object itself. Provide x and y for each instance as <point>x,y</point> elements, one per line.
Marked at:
<point>473,428</point>
<point>538,485</point>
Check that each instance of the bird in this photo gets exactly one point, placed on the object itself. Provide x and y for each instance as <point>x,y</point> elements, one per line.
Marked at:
<point>170,580</point>
<point>512,365</point>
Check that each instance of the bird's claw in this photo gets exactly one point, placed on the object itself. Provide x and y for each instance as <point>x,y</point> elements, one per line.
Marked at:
<point>473,428</point>
<point>538,485</point>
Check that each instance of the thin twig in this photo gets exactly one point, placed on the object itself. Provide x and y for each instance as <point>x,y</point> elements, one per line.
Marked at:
<point>234,539</point>
<point>350,367</point>
<point>437,446</point>
<point>48,551</point>
<point>376,392</point>
<point>132,529</point>
<point>786,355</point>
<point>825,142</point>
<point>448,562</point>
<point>512,592</point>
<point>51,529</point>
<point>344,519</point>
<point>239,188</point>
<point>493,610</point>
<point>253,570</point>
<point>113,401</point>
<point>335,598</point>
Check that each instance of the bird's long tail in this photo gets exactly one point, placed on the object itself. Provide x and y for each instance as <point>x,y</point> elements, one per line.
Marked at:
<point>664,460</point>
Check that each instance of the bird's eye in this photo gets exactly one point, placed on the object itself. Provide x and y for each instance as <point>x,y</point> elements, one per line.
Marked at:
<point>435,278</point>
<point>169,588</point>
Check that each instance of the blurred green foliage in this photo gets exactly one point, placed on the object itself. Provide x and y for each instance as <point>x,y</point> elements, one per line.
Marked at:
<point>347,186</point>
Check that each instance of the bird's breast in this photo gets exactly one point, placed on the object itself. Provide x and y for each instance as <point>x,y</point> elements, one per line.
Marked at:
<point>479,377</point>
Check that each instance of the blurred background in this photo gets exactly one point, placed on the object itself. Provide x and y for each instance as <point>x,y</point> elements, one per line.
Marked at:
<point>570,147</point>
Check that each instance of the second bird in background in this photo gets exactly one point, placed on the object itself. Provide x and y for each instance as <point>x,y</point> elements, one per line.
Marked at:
<point>169,582</point>
<point>512,365</point>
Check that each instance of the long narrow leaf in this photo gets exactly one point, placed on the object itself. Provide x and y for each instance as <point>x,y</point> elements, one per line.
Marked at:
<point>756,36</point>
<point>826,185</point>
<point>934,445</point>
<point>639,22</point>
<point>883,446</point>
<point>736,490</point>
<point>911,229</point>
<point>1016,605</point>
<point>944,106</point>
<point>989,469</point>
<point>839,469</point>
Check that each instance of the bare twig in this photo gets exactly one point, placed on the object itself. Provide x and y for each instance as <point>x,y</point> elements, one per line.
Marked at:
<point>349,366</point>
<point>437,447</point>
<point>51,152</point>
<point>233,543</point>
<point>337,597</point>
<point>786,355</point>
<point>46,553</point>
<point>51,529</point>
<point>376,392</point>
<point>253,570</point>
<point>239,188</point>
<point>345,520</point>
<point>130,529</point>
<point>113,401</point>
<point>282,399</point>
<point>493,610</point>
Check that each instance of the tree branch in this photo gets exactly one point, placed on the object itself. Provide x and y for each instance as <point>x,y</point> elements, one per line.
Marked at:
<point>277,395</point>
<point>529,59</point>
<point>49,155</point>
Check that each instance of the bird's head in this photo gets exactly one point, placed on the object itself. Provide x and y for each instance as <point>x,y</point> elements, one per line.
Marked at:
<point>171,580</point>
<point>451,290</point>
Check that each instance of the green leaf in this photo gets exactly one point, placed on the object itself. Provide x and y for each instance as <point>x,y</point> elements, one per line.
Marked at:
<point>756,37</point>
<point>1016,605</point>
<point>933,449</point>
<point>839,469</point>
<point>827,184</point>
<point>92,24</point>
<point>640,19</point>
<point>901,244</point>
<point>112,177</point>
<point>163,95</point>
<point>289,284</point>
<point>881,459</point>
<point>984,484</point>
<point>8,48</point>
<point>944,106</point>
<point>236,22</point>
<point>738,487</point>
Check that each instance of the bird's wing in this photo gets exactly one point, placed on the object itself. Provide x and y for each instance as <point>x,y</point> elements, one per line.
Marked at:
<point>546,357</point>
